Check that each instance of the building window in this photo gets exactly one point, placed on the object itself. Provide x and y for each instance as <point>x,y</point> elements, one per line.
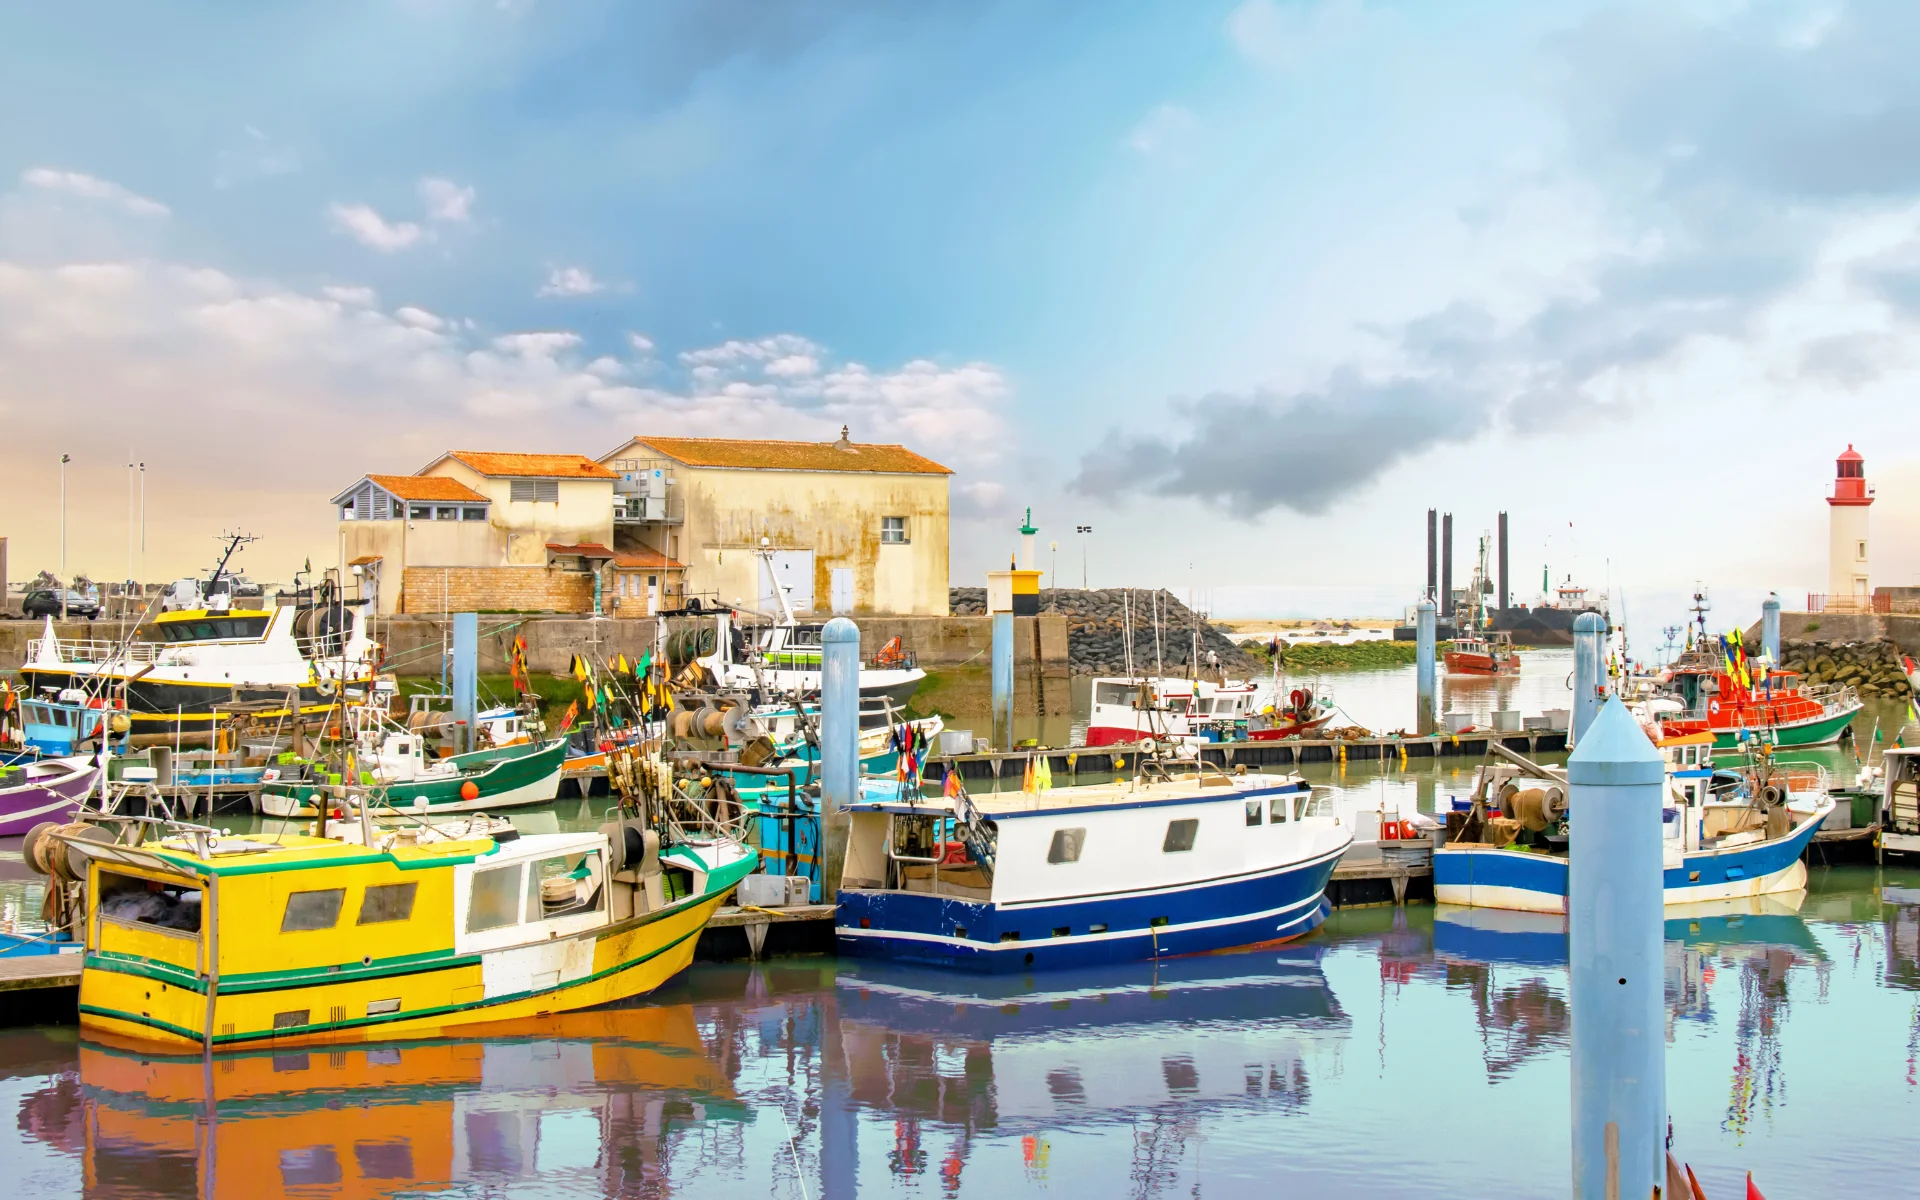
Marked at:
<point>534,491</point>
<point>446,512</point>
<point>346,511</point>
<point>473,514</point>
<point>893,531</point>
<point>420,512</point>
<point>1862,555</point>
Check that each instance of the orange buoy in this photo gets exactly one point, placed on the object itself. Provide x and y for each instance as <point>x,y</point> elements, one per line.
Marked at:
<point>469,790</point>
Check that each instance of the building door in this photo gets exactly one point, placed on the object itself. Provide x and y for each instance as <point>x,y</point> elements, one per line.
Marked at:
<point>791,572</point>
<point>653,594</point>
<point>841,585</point>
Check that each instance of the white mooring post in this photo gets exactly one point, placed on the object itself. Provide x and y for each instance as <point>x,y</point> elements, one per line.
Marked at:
<point>1615,927</point>
<point>839,744</point>
<point>1589,672</point>
<point>1424,649</point>
<point>1770,630</point>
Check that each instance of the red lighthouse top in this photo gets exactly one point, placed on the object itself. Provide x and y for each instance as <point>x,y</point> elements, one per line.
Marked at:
<point>1850,480</point>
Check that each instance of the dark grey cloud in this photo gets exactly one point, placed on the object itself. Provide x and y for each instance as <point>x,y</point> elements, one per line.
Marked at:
<point>1305,451</point>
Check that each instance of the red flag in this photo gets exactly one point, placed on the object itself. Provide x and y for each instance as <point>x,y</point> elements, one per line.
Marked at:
<point>566,722</point>
<point>1753,1193</point>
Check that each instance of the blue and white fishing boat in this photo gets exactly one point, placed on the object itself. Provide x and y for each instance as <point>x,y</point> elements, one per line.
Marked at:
<point>1728,834</point>
<point>1147,868</point>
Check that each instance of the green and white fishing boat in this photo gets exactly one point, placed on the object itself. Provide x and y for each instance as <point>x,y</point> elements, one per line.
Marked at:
<point>484,780</point>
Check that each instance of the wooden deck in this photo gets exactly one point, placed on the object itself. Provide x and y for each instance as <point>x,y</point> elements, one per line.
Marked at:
<point>35,971</point>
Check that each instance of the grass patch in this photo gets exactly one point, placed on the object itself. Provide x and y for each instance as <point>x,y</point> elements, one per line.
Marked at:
<point>1377,655</point>
<point>553,693</point>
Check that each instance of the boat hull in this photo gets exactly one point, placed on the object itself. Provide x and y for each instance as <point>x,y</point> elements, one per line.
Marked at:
<point>1481,664</point>
<point>161,708</point>
<point>1266,908</point>
<point>440,992</point>
<point>510,781</point>
<point>1489,877</point>
<point>49,799</point>
<point>1818,731</point>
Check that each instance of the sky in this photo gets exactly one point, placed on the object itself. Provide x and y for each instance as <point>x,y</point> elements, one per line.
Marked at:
<point>1244,287</point>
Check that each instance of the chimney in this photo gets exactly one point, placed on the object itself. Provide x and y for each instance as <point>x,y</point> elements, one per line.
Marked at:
<point>1506,596</point>
<point>1446,566</point>
<point>1433,553</point>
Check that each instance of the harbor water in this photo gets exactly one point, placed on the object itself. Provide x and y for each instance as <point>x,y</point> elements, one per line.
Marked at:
<point>1412,1051</point>
<point>1396,1052</point>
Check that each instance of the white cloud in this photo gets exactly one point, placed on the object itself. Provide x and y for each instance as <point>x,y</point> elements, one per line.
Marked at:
<point>447,201</point>
<point>1165,128</point>
<point>418,318</point>
<point>1276,35</point>
<point>75,183</point>
<point>358,297</point>
<point>571,281</point>
<point>641,343</point>
<point>370,229</point>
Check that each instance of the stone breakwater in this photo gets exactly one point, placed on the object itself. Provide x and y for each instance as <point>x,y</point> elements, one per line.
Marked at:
<point>1097,623</point>
<point>1873,668</point>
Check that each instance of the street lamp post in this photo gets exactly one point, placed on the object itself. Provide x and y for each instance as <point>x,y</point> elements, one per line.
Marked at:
<point>64,460</point>
<point>143,522</point>
<point>1083,531</point>
<point>1055,575</point>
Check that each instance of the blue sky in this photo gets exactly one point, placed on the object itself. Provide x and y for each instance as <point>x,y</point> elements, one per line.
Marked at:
<point>1247,286</point>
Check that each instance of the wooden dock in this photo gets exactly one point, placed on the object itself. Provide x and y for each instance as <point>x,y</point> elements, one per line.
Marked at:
<point>33,972</point>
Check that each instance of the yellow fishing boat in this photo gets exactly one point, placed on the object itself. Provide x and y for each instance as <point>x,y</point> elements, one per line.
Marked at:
<point>379,931</point>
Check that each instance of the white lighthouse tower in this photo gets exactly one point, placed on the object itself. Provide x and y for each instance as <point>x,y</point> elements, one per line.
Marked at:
<point>1847,587</point>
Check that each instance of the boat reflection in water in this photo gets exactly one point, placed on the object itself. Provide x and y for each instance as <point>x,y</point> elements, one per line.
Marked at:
<point>650,1100</point>
<point>1515,965</point>
<point>591,1094</point>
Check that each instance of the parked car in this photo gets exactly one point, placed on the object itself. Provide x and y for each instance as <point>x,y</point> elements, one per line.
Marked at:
<point>45,602</point>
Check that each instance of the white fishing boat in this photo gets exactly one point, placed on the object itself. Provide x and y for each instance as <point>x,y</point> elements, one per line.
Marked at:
<point>1147,868</point>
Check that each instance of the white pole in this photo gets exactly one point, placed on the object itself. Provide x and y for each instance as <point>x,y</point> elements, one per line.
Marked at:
<point>64,459</point>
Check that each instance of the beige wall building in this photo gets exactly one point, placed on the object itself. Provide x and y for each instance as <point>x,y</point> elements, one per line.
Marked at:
<point>848,527</point>
<point>474,530</point>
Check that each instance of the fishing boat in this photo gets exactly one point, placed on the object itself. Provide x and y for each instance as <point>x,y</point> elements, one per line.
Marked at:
<point>47,789</point>
<point>1727,833</point>
<point>491,778</point>
<point>1163,864</point>
<point>1164,709</point>
<point>194,938</point>
<point>1719,690</point>
<point>190,660</point>
<point>1484,653</point>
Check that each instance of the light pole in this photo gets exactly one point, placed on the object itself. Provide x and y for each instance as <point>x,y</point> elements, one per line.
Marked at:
<point>123,591</point>
<point>1083,531</point>
<point>1055,575</point>
<point>143,522</point>
<point>64,460</point>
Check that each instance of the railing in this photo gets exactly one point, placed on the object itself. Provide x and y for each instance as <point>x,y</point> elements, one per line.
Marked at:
<point>1818,602</point>
<point>93,650</point>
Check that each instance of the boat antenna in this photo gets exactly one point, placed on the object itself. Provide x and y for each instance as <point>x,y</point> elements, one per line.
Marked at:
<point>234,541</point>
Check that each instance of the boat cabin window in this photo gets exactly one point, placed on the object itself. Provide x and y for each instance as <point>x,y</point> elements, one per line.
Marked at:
<point>131,900</point>
<point>387,902</point>
<point>213,629</point>
<point>1254,808</point>
<point>1113,693</point>
<point>1319,804</point>
<point>1066,845</point>
<point>565,885</point>
<point>308,911</point>
<point>1279,808</point>
<point>1180,835</point>
<point>494,902</point>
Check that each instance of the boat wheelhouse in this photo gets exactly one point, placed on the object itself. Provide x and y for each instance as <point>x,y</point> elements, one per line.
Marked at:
<point>785,659</point>
<point>1142,869</point>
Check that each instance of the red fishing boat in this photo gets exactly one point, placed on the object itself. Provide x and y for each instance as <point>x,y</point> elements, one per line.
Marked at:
<point>1486,653</point>
<point>1723,691</point>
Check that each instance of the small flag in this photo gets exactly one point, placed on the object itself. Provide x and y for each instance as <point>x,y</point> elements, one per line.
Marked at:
<point>950,786</point>
<point>566,722</point>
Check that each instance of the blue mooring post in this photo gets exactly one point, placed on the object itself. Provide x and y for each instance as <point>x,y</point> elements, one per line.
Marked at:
<point>466,675</point>
<point>1003,681</point>
<point>1615,931</point>
<point>839,745</point>
<point>1770,629</point>
<point>1424,647</point>
<point>1589,672</point>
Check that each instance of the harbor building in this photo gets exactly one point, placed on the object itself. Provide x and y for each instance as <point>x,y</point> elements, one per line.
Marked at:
<point>1848,589</point>
<point>485,531</point>
<point>840,526</point>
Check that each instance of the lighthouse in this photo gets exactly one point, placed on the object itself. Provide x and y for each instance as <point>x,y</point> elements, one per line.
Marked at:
<point>1847,586</point>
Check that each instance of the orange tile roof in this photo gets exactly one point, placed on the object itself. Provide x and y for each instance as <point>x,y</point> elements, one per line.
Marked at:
<point>536,466</point>
<point>584,549</point>
<point>645,558</point>
<point>428,487</point>
<point>794,456</point>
